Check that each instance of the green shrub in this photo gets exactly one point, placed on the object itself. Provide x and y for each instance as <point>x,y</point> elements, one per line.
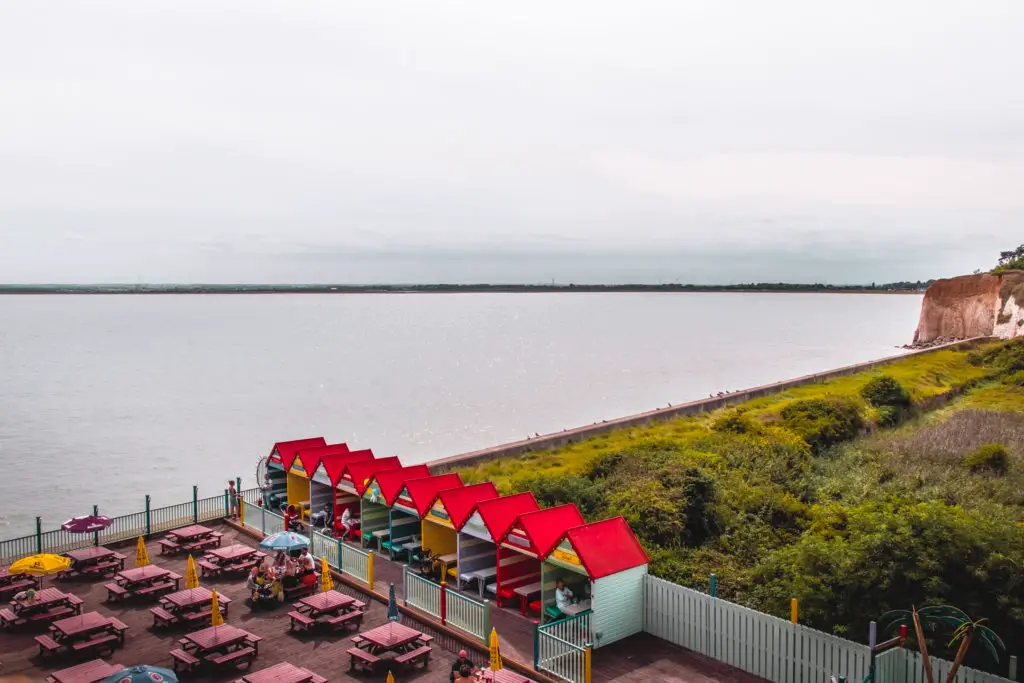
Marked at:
<point>992,457</point>
<point>570,488</point>
<point>823,422</point>
<point>885,391</point>
<point>889,416</point>
<point>736,422</point>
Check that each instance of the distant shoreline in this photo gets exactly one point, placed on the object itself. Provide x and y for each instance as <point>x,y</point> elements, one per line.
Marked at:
<point>773,288</point>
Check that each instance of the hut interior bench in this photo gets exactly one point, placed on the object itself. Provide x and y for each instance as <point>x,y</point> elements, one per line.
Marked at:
<point>184,659</point>
<point>300,621</point>
<point>115,592</point>
<point>240,657</point>
<point>361,659</point>
<point>162,617</point>
<point>420,655</point>
<point>47,645</point>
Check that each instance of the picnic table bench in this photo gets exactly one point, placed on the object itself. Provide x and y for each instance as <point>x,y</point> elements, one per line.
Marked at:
<point>147,581</point>
<point>191,607</point>
<point>281,673</point>
<point>92,562</point>
<point>189,538</point>
<point>409,645</point>
<point>217,646</point>
<point>87,672</point>
<point>330,608</point>
<point>49,605</point>
<point>234,558</point>
<point>16,584</point>
<point>91,632</point>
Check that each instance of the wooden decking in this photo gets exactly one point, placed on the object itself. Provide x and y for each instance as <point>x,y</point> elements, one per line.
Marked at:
<point>640,657</point>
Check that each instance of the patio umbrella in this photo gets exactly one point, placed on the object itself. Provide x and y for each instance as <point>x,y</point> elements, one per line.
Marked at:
<point>191,575</point>
<point>326,580</point>
<point>142,674</point>
<point>284,540</point>
<point>86,525</point>
<point>390,679</point>
<point>392,604</point>
<point>40,565</point>
<point>217,617</point>
<point>495,654</point>
<point>141,555</point>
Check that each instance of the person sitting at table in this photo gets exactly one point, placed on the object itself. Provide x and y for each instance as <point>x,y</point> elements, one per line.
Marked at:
<point>321,518</point>
<point>23,598</point>
<point>291,519</point>
<point>347,522</point>
<point>280,560</point>
<point>563,596</point>
<point>254,574</point>
<point>465,674</point>
<point>460,664</point>
<point>290,579</point>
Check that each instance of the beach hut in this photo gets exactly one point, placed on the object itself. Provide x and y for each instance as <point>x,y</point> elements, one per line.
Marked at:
<point>325,484</point>
<point>449,511</point>
<point>491,522</point>
<point>379,495</point>
<point>279,462</point>
<point>414,501</point>
<point>308,460</point>
<point>533,534</point>
<point>608,559</point>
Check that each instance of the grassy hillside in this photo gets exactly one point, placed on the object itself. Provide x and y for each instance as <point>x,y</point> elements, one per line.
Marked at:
<point>847,494</point>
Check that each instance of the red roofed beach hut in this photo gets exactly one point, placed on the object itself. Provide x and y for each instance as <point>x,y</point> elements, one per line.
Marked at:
<point>448,514</point>
<point>533,534</point>
<point>379,494</point>
<point>280,464</point>
<point>604,565</point>
<point>413,502</point>
<point>325,484</point>
<point>491,522</point>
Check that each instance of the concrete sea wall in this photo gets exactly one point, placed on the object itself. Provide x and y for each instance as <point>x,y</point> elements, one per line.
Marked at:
<point>547,441</point>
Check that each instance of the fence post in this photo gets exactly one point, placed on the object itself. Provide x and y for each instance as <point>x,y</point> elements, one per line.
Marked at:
<point>536,645</point>
<point>444,602</point>
<point>39,534</point>
<point>339,544</point>
<point>586,663</point>
<point>713,586</point>
<point>195,504</point>
<point>96,536</point>
<point>794,610</point>
<point>405,585</point>
<point>148,521</point>
<point>1013,668</point>
<point>227,509</point>
<point>369,570</point>
<point>487,621</point>
<point>238,485</point>
<point>263,520</point>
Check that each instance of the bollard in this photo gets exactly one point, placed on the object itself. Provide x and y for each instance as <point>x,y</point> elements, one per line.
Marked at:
<point>713,586</point>
<point>369,569</point>
<point>794,610</point>
<point>444,602</point>
<point>586,663</point>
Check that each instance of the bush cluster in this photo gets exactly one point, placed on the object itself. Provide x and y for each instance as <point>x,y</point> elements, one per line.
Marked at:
<point>824,422</point>
<point>992,458</point>
<point>885,391</point>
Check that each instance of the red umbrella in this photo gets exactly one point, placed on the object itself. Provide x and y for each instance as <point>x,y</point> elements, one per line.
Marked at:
<point>87,525</point>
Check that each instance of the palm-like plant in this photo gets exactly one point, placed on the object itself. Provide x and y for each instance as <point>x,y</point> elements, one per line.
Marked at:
<point>965,630</point>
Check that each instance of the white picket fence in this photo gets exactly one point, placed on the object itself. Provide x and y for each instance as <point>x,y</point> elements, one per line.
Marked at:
<point>560,658</point>
<point>355,563</point>
<point>422,594</point>
<point>904,666</point>
<point>757,643</point>
<point>467,614</point>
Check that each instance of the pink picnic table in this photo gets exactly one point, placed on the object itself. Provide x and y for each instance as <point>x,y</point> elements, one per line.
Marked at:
<point>282,673</point>
<point>232,552</point>
<point>89,672</point>
<point>189,533</point>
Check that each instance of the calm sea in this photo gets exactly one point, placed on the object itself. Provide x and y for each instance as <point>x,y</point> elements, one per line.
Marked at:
<point>104,399</point>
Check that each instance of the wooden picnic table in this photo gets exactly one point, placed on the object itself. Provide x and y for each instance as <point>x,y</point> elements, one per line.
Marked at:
<point>282,673</point>
<point>148,580</point>
<point>233,553</point>
<point>325,603</point>
<point>92,561</point>
<point>190,533</point>
<point>217,646</point>
<point>503,676</point>
<point>391,637</point>
<point>88,672</point>
<point>7,577</point>
<point>16,584</point>
<point>194,598</point>
<point>145,575</point>
<point>49,605</point>
<point>44,600</point>
<point>233,558</point>
<point>410,646</point>
<point>220,638</point>
<point>483,575</point>
<point>80,626</point>
<point>577,608</point>
<point>331,608</point>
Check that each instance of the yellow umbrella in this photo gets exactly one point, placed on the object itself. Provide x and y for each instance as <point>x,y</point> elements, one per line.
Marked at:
<point>326,580</point>
<point>141,556</point>
<point>40,565</point>
<point>218,618</point>
<point>495,655</point>
<point>191,575</point>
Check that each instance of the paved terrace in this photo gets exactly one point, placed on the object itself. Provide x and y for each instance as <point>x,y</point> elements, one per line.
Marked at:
<point>640,657</point>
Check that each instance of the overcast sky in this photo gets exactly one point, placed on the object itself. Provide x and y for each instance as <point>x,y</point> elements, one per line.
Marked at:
<point>587,141</point>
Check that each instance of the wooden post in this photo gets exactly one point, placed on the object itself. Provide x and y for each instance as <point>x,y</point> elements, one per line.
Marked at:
<point>149,524</point>
<point>794,610</point>
<point>487,621</point>
<point>227,509</point>
<point>39,534</point>
<point>195,504</point>
<point>713,586</point>
<point>444,601</point>
<point>586,663</point>
<point>369,569</point>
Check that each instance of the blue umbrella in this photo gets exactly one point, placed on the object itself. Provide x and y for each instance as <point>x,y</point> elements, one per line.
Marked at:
<point>142,674</point>
<point>284,540</point>
<point>392,604</point>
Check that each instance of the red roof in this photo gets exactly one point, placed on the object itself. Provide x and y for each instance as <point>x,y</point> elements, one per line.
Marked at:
<point>606,547</point>
<point>362,472</point>
<point>335,464</point>
<point>391,482</point>
<point>311,457</point>
<point>423,492</point>
<point>500,514</point>
<point>460,503</point>
<point>286,450</point>
<point>545,528</point>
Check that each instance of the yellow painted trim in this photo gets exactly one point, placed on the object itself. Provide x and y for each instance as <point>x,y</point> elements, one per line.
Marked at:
<point>586,665</point>
<point>794,610</point>
<point>369,569</point>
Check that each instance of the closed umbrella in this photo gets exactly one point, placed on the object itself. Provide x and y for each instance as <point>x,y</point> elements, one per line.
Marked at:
<point>142,674</point>
<point>191,575</point>
<point>217,617</point>
<point>87,525</point>
<point>392,604</point>
<point>141,554</point>
<point>495,654</point>
<point>326,580</point>
<point>284,540</point>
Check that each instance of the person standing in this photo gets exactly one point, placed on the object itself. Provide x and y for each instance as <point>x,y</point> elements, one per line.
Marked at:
<point>233,499</point>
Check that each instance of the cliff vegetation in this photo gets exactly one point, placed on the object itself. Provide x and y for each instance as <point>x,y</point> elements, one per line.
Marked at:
<point>867,493</point>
